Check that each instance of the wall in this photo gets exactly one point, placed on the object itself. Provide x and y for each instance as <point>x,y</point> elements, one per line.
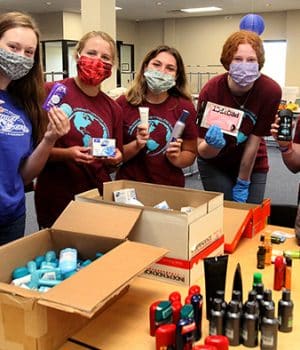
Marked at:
<point>50,25</point>
<point>199,39</point>
<point>72,28</point>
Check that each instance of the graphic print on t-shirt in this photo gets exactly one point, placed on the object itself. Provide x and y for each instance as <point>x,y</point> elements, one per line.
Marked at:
<point>160,131</point>
<point>86,123</point>
<point>248,123</point>
<point>11,124</point>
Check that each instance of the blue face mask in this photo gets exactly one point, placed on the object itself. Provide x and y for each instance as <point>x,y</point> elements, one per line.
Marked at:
<point>159,82</point>
<point>244,74</point>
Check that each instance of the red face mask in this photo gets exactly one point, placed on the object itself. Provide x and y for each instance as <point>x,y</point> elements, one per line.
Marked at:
<point>92,71</point>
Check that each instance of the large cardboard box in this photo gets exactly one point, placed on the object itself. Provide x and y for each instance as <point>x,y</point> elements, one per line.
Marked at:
<point>188,236</point>
<point>31,320</point>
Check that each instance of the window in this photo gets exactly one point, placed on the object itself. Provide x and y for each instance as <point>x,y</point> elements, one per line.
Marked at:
<point>275,60</point>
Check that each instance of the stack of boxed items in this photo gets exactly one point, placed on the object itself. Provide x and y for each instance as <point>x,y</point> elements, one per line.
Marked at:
<point>187,222</point>
<point>31,320</point>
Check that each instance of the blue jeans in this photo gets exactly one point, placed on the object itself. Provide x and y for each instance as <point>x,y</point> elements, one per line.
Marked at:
<point>216,180</point>
<point>13,230</point>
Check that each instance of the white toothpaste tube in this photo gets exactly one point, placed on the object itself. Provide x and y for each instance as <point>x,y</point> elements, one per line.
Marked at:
<point>144,115</point>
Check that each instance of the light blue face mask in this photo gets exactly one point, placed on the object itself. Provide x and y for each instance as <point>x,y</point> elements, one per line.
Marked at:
<point>159,82</point>
<point>244,74</point>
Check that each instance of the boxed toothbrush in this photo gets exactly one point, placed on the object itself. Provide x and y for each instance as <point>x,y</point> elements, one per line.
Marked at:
<point>30,320</point>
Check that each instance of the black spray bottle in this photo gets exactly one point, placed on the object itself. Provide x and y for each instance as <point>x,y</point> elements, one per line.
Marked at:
<point>252,299</point>
<point>266,302</point>
<point>220,294</point>
<point>285,312</point>
<point>269,330</point>
<point>217,318</point>
<point>249,329</point>
<point>237,297</point>
<point>233,323</point>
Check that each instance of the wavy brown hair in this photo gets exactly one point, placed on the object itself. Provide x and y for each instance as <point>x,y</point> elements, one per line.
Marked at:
<point>28,92</point>
<point>242,37</point>
<point>136,95</point>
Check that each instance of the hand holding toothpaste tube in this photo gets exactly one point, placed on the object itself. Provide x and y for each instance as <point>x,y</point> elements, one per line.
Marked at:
<point>142,134</point>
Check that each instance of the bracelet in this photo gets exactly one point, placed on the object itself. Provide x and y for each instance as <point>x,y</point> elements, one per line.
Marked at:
<point>285,149</point>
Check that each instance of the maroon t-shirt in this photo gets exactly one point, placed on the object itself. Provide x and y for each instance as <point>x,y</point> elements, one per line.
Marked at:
<point>260,107</point>
<point>90,117</point>
<point>297,132</point>
<point>151,164</point>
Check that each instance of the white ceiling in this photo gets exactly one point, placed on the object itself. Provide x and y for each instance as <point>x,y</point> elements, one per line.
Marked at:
<point>139,10</point>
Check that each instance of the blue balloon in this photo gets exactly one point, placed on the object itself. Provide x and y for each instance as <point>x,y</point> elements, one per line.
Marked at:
<point>253,22</point>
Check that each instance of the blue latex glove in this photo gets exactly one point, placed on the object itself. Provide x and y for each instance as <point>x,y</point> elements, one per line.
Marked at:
<point>214,137</point>
<point>240,191</point>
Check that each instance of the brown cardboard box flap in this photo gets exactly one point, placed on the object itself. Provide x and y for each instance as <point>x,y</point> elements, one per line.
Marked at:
<point>97,219</point>
<point>234,223</point>
<point>85,293</point>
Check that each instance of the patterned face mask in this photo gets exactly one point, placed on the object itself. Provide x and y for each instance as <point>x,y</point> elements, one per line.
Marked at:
<point>14,66</point>
<point>244,74</point>
<point>159,82</point>
<point>92,71</point>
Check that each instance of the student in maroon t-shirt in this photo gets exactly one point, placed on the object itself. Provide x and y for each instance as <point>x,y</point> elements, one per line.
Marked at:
<point>71,168</point>
<point>238,166</point>
<point>290,152</point>
<point>160,85</point>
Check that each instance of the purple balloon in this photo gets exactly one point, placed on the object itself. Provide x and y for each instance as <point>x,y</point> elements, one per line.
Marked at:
<point>252,22</point>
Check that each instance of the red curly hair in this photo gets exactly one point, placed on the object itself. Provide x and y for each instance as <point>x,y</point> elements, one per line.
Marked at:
<point>242,37</point>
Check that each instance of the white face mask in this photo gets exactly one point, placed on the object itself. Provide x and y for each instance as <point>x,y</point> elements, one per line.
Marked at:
<point>159,82</point>
<point>14,66</point>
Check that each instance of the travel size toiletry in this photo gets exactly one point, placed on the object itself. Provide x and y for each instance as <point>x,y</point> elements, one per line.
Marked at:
<point>249,328</point>
<point>285,312</point>
<point>269,330</point>
<point>178,127</point>
<point>184,337</point>
<point>288,273</point>
<point>261,253</point>
<point>279,268</point>
<point>55,96</point>
<point>197,303</point>
<point>217,318</point>
<point>144,115</point>
<point>165,337</point>
<point>233,323</point>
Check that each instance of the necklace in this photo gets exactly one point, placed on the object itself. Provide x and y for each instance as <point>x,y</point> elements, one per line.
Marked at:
<point>242,105</point>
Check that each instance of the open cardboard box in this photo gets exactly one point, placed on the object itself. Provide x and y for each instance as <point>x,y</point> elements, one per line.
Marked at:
<point>31,320</point>
<point>189,237</point>
<point>243,220</point>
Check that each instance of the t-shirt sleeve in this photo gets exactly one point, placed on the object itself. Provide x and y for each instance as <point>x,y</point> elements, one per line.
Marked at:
<point>297,132</point>
<point>269,100</point>
<point>190,131</point>
<point>118,126</point>
<point>202,99</point>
